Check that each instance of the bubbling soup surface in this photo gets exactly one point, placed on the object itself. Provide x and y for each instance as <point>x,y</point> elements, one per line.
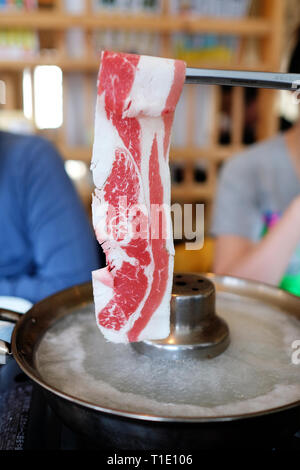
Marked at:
<point>255,373</point>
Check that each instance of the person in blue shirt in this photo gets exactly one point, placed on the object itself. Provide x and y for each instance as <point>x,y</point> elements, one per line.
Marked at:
<point>46,242</point>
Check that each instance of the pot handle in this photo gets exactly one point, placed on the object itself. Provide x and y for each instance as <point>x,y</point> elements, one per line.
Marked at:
<point>7,316</point>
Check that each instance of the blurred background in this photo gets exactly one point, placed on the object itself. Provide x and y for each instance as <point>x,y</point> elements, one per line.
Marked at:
<point>49,58</point>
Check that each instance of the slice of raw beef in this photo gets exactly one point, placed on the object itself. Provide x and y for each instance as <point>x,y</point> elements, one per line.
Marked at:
<point>136,100</point>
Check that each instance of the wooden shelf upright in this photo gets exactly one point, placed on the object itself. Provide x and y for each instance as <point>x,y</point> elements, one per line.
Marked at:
<point>266,29</point>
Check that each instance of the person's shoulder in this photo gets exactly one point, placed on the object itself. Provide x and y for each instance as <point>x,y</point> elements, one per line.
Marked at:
<point>254,157</point>
<point>28,153</point>
<point>23,142</point>
<point>17,141</point>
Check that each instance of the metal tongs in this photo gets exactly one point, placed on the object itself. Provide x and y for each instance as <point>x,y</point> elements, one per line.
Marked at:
<point>278,81</point>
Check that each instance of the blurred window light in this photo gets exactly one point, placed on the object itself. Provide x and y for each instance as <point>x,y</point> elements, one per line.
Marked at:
<point>48,97</point>
<point>76,169</point>
<point>27,94</point>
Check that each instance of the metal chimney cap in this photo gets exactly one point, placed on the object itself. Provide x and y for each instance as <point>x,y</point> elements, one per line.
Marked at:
<point>195,331</point>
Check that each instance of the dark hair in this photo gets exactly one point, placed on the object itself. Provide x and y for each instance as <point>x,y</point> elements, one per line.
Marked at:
<point>294,65</point>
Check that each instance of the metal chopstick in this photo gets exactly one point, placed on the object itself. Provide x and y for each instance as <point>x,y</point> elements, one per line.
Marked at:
<point>278,81</point>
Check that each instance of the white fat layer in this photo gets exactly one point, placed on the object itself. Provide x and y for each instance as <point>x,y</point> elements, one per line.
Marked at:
<point>117,256</point>
<point>166,182</point>
<point>102,293</point>
<point>114,336</point>
<point>151,87</point>
<point>99,213</point>
<point>106,141</point>
<point>149,127</point>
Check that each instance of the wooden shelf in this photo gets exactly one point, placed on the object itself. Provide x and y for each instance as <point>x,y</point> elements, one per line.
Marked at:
<point>266,29</point>
<point>196,192</point>
<point>67,65</point>
<point>154,23</point>
<point>216,154</point>
<point>92,65</point>
<point>241,27</point>
<point>187,154</point>
<point>76,153</point>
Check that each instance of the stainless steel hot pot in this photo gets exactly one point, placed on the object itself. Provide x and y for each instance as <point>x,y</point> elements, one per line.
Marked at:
<point>128,424</point>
